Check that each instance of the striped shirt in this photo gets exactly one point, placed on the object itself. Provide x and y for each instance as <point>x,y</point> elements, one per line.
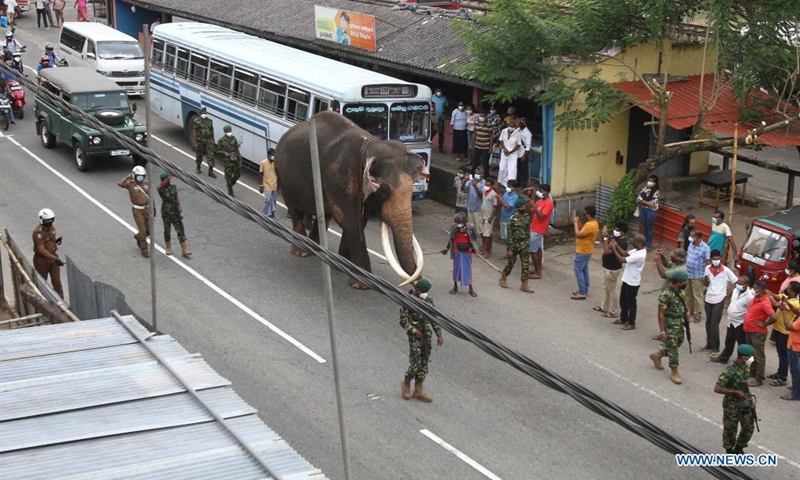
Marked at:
<point>482,137</point>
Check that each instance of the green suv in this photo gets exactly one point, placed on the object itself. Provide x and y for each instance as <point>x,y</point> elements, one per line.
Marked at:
<point>96,95</point>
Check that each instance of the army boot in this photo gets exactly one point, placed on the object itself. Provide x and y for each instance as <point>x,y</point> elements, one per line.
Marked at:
<point>675,376</point>
<point>198,169</point>
<point>656,358</point>
<point>185,250</point>
<point>503,282</point>
<point>405,388</point>
<point>168,250</point>
<point>420,394</point>
<point>230,190</point>
<point>525,288</point>
<point>211,172</point>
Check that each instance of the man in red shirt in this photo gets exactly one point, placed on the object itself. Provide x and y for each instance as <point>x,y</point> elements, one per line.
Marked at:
<point>542,209</point>
<point>760,314</point>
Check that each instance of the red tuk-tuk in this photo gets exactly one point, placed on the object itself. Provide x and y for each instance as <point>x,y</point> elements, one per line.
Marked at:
<point>772,242</point>
<point>447,4</point>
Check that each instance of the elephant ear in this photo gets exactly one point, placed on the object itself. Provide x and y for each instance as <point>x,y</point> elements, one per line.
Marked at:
<point>369,183</point>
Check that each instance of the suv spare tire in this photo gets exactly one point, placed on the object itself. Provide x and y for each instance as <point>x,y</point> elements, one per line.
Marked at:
<point>110,117</point>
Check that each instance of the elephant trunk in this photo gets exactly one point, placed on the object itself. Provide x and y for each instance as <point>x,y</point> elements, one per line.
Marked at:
<point>409,262</point>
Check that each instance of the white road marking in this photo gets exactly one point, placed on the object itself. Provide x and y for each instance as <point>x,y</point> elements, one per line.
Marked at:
<point>675,404</point>
<point>254,190</point>
<point>181,264</point>
<point>462,456</point>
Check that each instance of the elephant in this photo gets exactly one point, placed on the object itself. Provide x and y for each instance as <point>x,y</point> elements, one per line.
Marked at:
<point>361,176</point>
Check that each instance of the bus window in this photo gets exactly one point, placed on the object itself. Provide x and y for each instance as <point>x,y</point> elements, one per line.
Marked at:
<point>182,68</point>
<point>320,105</point>
<point>272,96</point>
<point>220,77</point>
<point>372,117</point>
<point>245,85</point>
<point>157,57</point>
<point>169,60</point>
<point>297,107</point>
<point>198,69</point>
<point>410,122</point>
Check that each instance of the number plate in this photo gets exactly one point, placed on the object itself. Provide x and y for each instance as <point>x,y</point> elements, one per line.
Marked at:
<point>120,153</point>
<point>752,258</point>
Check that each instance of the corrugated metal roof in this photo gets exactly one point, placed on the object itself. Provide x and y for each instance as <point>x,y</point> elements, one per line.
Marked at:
<point>86,399</point>
<point>684,108</point>
<point>418,42</point>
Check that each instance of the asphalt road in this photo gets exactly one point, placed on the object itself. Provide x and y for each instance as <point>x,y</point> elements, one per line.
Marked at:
<point>504,421</point>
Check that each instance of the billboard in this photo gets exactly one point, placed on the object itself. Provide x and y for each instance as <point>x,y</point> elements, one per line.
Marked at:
<point>345,27</point>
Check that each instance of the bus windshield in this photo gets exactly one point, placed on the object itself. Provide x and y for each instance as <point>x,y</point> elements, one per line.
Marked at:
<point>410,122</point>
<point>372,117</point>
<point>119,50</point>
<point>767,244</point>
<point>101,101</point>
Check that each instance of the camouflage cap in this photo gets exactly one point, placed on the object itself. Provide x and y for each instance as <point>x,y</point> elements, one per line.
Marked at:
<point>423,285</point>
<point>746,350</point>
<point>203,110</point>
<point>163,175</point>
<point>679,254</point>
<point>227,128</point>
<point>520,203</point>
<point>679,276</point>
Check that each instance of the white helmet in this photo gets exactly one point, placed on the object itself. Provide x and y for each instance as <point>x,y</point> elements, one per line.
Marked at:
<point>46,214</point>
<point>139,170</point>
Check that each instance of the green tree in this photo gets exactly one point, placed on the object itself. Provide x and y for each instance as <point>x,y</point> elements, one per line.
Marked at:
<point>526,49</point>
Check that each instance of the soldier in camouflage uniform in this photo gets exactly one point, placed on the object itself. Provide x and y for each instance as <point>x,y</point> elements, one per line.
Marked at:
<point>229,148</point>
<point>419,344</point>
<point>736,405</point>
<point>172,214</point>
<point>671,310</point>
<point>518,244</point>
<point>204,134</point>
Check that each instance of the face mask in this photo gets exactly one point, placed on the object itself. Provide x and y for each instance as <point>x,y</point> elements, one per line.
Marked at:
<point>741,288</point>
<point>469,111</point>
<point>492,112</point>
<point>438,94</point>
<point>461,107</point>
<point>460,175</point>
<point>139,178</point>
<point>203,115</point>
<point>714,221</point>
<point>539,194</point>
<point>617,233</point>
<point>788,272</point>
<point>481,119</point>
<point>750,361</point>
<point>509,189</point>
<point>715,263</point>
<point>651,184</point>
<point>486,188</point>
<point>271,158</point>
<point>228,134</point>
<point>477,176</point>
<point>459,225</point>
<point>511,128</point>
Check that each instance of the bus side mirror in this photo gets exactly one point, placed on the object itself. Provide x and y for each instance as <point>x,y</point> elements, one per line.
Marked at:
<point>133,107</point>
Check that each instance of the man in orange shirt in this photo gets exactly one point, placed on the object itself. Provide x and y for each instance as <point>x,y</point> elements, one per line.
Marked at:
<point>585,234</point>
<point>792,324</point>
<point>542,209</point>
<point>760,314</point>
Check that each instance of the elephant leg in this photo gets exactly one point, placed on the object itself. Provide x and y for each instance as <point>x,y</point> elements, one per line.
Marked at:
<point>314,232</point>
<point>299,227</point>
<point>354,248</point>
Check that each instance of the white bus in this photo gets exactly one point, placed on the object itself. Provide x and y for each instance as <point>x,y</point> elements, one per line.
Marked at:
<point>262,89</point>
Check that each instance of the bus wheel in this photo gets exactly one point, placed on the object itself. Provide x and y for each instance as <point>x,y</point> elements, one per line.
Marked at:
<point>190,137</point>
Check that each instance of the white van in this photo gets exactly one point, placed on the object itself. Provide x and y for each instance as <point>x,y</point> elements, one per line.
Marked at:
<point>110,52</point>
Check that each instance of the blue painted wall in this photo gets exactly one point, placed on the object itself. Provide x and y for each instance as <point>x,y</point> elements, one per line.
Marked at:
<point>130,22</point>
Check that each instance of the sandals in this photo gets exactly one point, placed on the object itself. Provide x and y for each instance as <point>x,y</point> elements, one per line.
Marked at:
<point>608,315</point>
<point>578,297</point>
<point>777,383</point>
<point>774,376</point>
<point>696,319</point>
<point>473,294</point>
<point>789,396</point>
<point>598,309</point>
<point>627,326</point>
<point>617,322</point>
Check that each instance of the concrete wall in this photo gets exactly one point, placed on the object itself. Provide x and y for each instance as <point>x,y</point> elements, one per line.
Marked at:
<point>130,22</point>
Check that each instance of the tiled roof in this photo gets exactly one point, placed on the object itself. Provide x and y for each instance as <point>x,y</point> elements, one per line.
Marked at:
<point>406,40</point>
<point>684,109</point>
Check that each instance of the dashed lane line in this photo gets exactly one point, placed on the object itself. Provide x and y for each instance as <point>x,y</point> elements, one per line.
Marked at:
<point>461,456</point>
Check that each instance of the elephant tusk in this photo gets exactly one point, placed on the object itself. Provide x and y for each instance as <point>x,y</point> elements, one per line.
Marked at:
<point>419,257</point>
<point>387,250</point>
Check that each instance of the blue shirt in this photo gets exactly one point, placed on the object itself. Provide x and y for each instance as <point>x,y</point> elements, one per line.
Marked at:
<point>441,104</point>
<point>696,258</point>
<point>474,199</point>
<point>510,198</point>
<point>459,119</point>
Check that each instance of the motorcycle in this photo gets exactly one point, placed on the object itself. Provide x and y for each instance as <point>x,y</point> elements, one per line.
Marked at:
<point>5,108</point>
<point>17,98</point>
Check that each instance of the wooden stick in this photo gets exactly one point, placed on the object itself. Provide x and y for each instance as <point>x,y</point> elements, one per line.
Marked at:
<point>733,174</point>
